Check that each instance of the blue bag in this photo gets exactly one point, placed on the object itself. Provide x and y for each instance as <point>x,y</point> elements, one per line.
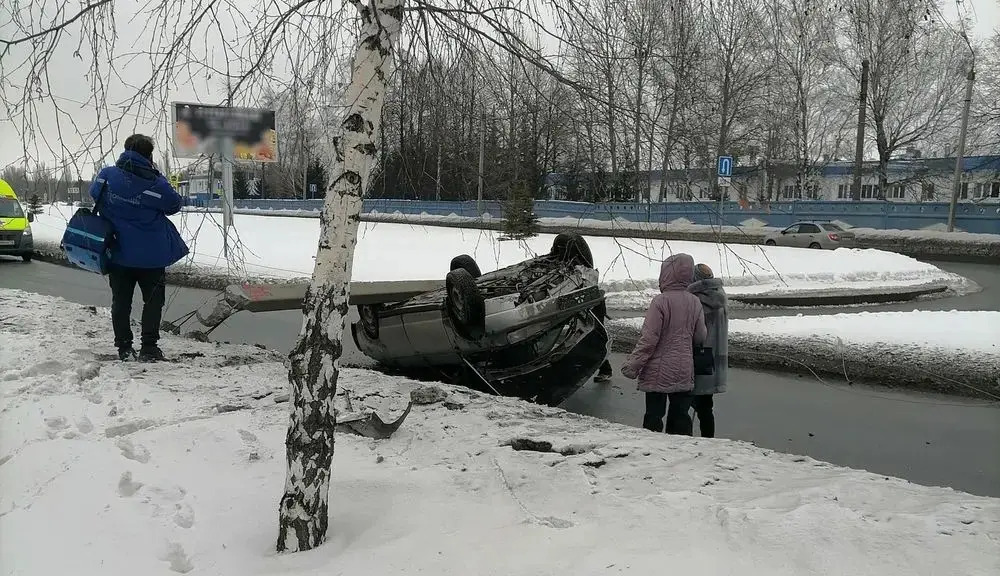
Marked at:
<point>89,236</point>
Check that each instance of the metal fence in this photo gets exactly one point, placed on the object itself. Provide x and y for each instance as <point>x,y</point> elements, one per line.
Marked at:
<point>970,217</point>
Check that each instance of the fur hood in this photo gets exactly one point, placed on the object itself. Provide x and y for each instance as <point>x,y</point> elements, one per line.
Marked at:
<point>710,292</point>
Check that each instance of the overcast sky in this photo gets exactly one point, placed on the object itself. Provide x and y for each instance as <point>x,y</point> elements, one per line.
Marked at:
<point>72,89</point>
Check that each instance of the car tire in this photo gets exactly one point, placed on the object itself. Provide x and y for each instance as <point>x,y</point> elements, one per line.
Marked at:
<point>368,315</point>
<point>569,246</point>
<point>467,263</point>
<point>771,243</point>
<point>465,304</point>
<point>26,257</point>
<point>815,246</point>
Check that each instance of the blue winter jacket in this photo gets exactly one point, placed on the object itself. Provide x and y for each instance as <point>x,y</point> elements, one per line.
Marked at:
<point>137,200</point>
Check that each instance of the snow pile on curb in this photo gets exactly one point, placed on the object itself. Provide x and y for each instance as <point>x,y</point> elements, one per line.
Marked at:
<point>285,247</point>
<point>945,351</point>
<point>178,468</point>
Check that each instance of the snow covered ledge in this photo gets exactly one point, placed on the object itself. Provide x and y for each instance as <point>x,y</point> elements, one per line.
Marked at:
<point>177,468</point>
<point>950,352</point>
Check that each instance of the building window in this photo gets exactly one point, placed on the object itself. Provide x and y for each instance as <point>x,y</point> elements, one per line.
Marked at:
<point>927,191</point>
<point>897,191</point>
<point>812,191</point>
<point>987,190</point>
<point>963,191</point>
<point>869,191</point>
<point>844,192</point>
<point>791,192</point>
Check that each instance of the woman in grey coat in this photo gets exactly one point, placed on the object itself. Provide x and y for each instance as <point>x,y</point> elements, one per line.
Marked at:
<point>709,290</point>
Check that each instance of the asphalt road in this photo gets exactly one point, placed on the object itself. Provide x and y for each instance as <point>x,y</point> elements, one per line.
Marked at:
<point>932,440</point>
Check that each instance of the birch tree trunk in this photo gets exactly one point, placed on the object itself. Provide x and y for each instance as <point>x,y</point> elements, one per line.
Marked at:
<point>303,514</point>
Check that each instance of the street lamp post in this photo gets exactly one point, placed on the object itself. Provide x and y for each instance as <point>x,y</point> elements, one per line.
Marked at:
<point>957,185</point>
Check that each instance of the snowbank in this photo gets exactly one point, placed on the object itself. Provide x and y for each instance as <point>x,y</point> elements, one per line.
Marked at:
<point>285,247</point>
<point>944,351</point>
<point>932,243</point>
<point>110,468</point>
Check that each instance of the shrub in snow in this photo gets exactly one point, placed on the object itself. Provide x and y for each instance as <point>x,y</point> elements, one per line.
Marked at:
<point>35,205</point>
<point>520,220</point>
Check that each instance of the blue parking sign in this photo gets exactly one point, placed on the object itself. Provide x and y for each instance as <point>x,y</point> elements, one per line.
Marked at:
<point>725,166</point>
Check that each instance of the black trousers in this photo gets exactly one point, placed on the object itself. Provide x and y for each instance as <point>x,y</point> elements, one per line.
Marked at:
<point>152,284</point>
<point>676,407</point>
<point>706,418</point>
<point>605,369</point>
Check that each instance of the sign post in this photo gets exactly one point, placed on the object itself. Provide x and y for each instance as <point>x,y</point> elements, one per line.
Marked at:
<point>725,173</point>
<point>235,134</point>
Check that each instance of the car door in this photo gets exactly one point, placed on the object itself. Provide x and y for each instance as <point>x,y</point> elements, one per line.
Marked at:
<point>789,236</point>
<point>809,234</point>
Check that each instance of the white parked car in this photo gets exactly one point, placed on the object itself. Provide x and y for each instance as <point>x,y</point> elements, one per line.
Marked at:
<point>817,234</point>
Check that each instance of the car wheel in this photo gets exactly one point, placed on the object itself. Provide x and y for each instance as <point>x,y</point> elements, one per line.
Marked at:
<point>369,320</point>
<point>26,257</point>
<point>465,303</point>
<point>467,263</point>
<point>569,246</point>
<point>771,243</point>
<point>815,246</point>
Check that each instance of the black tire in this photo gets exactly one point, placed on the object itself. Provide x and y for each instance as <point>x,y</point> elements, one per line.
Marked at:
<point>467,263</point>
<point>771,243</point>
<point>815,246</point>
<point>465,304</point>
<point>368,315</point>
<point>26,257</point>
<point>569,246</point>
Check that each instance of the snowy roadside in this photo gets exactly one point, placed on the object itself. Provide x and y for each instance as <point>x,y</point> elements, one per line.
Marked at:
<point>942,351</point>
<point>177,468</point>
<point>283,249</point>
<point>924,244</point>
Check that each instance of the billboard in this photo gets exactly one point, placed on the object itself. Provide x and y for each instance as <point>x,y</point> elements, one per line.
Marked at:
<point>204,129</point>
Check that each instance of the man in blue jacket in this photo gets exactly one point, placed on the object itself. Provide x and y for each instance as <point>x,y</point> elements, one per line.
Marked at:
<point>137,200</point>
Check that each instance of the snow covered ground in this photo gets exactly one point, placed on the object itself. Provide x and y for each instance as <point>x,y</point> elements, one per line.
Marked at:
<point>976,332</point>
<point>124,469</point>
<point>284,248</point>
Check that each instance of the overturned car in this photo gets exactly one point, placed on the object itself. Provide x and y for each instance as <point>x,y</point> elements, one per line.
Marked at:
<point>527,330</point>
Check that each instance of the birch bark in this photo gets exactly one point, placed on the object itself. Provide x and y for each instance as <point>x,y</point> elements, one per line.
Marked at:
<point>303,511</point>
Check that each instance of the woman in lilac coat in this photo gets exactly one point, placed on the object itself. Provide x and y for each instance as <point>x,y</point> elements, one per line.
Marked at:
<point>663,358</point>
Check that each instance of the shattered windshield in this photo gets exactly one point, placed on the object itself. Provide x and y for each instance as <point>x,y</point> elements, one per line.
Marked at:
<point>10,208</point>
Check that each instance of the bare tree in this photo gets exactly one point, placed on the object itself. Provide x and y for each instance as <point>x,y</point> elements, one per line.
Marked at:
<point>804,45</point>
<point>916,71</point>
<point>737,73</point>
<point>985,133</point>
<point>673,78</point>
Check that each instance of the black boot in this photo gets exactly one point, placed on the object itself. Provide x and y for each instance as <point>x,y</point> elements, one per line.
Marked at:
<point>126,353</point>
<point>150,354</point>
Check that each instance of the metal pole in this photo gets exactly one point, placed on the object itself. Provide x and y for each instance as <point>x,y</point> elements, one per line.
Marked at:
<point>970,80</point>
<point>211,177</point>
<point>228,149</point>
<point>482,152</point>
<point>722,205</point>
<point>859,150</point>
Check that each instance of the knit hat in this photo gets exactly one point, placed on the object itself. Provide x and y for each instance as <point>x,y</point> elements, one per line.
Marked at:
<point>702,272</point>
